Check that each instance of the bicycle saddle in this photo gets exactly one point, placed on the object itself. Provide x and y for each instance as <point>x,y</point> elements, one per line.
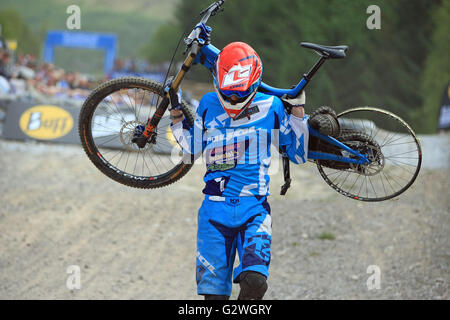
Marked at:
<point>337,52</point>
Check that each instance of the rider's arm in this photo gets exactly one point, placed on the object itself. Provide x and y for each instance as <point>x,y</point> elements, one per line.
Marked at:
<point>293,133</point>
<point>176,116</point>
<point>190,138</point>
<point>298,111</point>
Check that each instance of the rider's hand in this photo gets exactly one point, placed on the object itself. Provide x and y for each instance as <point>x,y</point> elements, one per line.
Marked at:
<point>175,110</point>
<point>175,99</point>
<point>296,104</point>
<point>299,100</point>
<point>205,32</point>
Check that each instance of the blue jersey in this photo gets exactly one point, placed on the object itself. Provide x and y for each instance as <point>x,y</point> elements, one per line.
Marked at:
<point>237,152</point>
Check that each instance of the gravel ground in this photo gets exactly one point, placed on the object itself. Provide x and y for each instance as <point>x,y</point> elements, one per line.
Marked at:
<point>57,210</point>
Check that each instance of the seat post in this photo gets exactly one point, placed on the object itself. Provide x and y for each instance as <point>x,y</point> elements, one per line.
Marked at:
<point>314,69</point>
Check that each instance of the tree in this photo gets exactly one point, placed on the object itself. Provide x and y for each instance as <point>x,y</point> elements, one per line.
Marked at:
<point>162,45</point>
<point>13,27</point>
<point>383,67</point>
<point>436,73</point>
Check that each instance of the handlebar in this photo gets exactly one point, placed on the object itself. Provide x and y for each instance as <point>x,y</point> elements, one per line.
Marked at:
<point>212,10</point>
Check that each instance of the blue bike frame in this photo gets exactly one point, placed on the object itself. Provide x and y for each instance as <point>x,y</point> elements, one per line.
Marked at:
<point>207,56</point>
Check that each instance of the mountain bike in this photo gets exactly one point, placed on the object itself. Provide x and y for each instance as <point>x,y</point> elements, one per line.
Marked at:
<point>124,130</point>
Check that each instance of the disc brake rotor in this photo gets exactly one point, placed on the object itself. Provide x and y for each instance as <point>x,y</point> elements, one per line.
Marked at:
<point>372,153</point>
<point>127,133</point>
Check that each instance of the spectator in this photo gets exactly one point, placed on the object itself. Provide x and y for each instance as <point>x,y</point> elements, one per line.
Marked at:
<point>5,68</point>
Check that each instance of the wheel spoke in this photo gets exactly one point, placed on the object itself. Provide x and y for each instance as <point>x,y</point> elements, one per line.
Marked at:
<point>392,169</point>
<point>114,113</point>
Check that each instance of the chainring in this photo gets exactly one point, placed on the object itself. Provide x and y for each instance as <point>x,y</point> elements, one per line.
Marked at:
<point>358,141</point>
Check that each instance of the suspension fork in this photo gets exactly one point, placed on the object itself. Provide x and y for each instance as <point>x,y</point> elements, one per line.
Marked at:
<point>153,122</point>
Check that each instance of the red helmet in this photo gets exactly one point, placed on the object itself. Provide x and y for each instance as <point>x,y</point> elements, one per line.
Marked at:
<point>237,77</point>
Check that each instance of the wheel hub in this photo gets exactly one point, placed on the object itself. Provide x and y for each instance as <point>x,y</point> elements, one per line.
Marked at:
<point>131,130</point>
<point>375,157</point>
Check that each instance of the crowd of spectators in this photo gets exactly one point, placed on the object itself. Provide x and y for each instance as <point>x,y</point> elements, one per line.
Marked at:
<point>22,74</point>
<point>139,68</point>
<point>25,75</point>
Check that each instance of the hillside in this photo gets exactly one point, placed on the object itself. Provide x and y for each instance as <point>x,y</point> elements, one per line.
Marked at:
<point>134,23</point>
<point>160,10</point>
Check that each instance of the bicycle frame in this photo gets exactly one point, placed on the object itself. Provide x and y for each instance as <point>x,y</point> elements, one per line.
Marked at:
<point>207,57</point>
<point>206,54</point>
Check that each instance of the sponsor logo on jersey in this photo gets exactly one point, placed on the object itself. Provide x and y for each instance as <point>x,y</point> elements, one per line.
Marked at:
<point>230,134</point>
<point>225,157</point>
<point>248,112</point>
<point>220,166</point>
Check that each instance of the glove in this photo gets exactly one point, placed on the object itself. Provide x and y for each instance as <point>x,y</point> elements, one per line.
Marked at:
<point>290,103</point>
<point>175,99</point>
<point>205,33</point>
<point>299,100</point>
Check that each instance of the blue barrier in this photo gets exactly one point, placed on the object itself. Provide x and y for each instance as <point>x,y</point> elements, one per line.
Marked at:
<point>86,40</point>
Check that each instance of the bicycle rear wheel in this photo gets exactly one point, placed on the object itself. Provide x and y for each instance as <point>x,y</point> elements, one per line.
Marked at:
<point>112,115</point>
<point>391,146</point>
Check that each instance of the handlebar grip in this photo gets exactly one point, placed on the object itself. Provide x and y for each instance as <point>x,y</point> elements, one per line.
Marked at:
<point>213,7</point>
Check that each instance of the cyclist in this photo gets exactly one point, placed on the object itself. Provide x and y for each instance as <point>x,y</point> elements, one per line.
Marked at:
<point>235,126</point>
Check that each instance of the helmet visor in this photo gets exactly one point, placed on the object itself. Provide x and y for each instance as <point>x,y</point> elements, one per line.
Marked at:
<point>234,98</point>
<point>238,94</point>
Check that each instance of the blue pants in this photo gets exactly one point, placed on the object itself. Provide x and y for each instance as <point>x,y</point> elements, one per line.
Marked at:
<point>224,226</point>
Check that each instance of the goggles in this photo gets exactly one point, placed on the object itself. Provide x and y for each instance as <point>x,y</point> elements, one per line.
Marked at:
<point>240,95</point>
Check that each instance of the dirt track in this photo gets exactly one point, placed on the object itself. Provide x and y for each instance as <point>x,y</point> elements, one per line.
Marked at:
<point>57,210</point>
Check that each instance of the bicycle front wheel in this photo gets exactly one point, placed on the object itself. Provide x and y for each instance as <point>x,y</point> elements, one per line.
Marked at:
<point>116,112</point>
<point>393,150</point>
